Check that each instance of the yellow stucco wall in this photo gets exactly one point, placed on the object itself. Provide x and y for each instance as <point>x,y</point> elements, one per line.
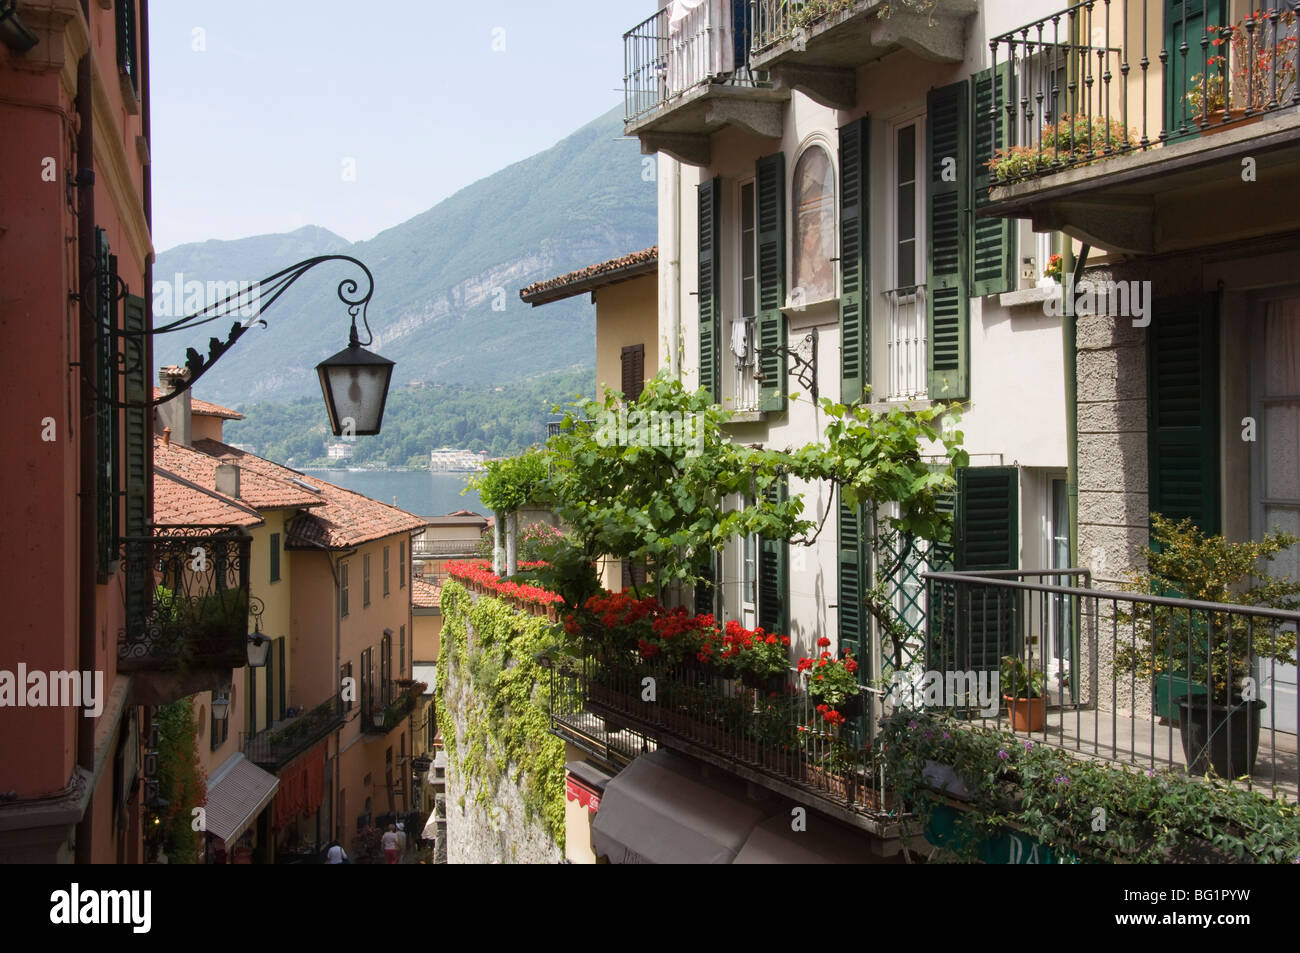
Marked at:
<point>626,313</point>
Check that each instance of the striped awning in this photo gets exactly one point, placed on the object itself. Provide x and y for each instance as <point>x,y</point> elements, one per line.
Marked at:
<point>241,791</point>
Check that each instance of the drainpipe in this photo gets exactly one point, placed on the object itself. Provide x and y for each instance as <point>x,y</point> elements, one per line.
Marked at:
<point>87,577</point>
<point>1070,342</point>
<point>674,259</point>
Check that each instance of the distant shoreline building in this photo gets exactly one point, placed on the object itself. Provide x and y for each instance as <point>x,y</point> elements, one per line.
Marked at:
<point>450,460</point>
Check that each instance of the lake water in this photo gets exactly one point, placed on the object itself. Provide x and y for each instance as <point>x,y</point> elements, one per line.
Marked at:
<point>421,492</point>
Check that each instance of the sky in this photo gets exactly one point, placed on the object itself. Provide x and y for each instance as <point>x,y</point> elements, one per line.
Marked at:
<point>356,115</point>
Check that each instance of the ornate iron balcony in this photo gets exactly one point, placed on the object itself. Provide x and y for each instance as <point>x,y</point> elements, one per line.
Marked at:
<point>187,599</point>
<point>277,746</point>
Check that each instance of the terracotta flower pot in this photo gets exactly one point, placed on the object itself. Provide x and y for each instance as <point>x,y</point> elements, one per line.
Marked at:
<point>1027,714</point>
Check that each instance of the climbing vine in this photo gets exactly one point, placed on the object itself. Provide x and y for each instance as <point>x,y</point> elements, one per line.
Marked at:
<point>181,779</point>
<point>493,705</point>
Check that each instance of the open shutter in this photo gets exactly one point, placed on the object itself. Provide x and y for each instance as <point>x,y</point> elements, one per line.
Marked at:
<point>1183,416</point>
<point>774,573</point>
<point>633,371</point>
<point>138,466</point>
<point>947,282</point>
<point>987,531</point>
<point>855,571</point>
<point>855,258</point>
<point>992,241</point>
<point>771,280</point>
<point>709,295</point>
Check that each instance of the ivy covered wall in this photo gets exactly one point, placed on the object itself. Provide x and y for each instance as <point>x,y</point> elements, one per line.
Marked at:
<point>505,770</point>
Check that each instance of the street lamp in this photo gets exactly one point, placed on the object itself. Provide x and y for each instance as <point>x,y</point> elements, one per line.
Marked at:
<point>354,381</point>
<point>220,707</point>
<point>259,645</point>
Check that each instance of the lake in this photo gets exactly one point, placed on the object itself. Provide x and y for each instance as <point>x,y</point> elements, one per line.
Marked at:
<point>421,492</point>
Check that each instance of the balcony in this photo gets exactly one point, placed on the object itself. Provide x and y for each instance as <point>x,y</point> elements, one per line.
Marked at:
<point>772,736</point>
<point>1126,128</point>
<point>275,747</point>
<point>906,341</point>
<point>816,46</point>
<point>687,77</point>
<point>384,706</point>
<point>1096,706</point>
<point>186,594</point>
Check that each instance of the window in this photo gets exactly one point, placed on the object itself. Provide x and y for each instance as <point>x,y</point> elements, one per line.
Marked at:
<point>401,565</point>
<point>106,417</point>
<point>401,652</point>
<point>367,685</point>
<point>633,363</point>
<point>126,49</point>
<point>386,669</point>
<point>275,557</point>
<point>365,580</point>
<point>905,326</point>
<point>814,227</point>
<point>343,590</point>
<point>745,383</point>
<point>386,570</point>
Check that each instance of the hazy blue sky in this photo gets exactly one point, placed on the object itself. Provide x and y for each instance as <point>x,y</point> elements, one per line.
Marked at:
<point>252,133</point>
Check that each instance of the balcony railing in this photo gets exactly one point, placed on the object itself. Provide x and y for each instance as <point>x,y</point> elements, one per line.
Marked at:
<point>906,329</point>
<point>187,599</point>
<point>1073,637</point>
<point>664,58</point>
<point>286,739</point>
<point>384,705</point>
<point>773,735</point>
<point>1106,78</point>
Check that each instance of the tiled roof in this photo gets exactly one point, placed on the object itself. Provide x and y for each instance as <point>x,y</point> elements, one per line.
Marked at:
<point>179,502</point>
<point>425,595</point>
<point>257,489</point>
<point>610,272</point>
<point>204,409</point>
<point>342,519</point>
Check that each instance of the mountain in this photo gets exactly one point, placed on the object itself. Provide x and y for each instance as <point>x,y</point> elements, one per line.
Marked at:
<point>446,304</point>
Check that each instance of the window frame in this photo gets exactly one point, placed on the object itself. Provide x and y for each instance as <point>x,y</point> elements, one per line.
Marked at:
<point>344,585</point>
<point>814,141</point>
<point>365,580</point>
<point>386,548</point>
<point>275,557</point>
<point>912,117</point>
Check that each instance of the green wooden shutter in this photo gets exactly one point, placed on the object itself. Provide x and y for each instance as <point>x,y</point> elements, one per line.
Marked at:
<point>138,469</point>
<point>107,485</point>
<point>992,240</point>
<point>947,281</point>
<point>855,260</point>
<point>709,295</point>
<point>771,280</point>
<point>987,536</point>
<point>1183,411</point>
<point>774,573</point>
<point>855,569</point>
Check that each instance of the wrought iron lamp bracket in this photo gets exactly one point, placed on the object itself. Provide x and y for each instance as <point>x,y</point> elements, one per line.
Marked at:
<point>804,358</point>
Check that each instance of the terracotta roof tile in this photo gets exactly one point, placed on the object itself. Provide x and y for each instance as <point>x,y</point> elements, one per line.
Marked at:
<point>592,277</point>
<point>425,595</point>
<point>342,520</point>
<point>179,502</point>
<point>203,408</point>
<point>257,489</point>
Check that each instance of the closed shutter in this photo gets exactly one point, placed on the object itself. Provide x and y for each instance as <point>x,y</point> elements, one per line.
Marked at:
<point>771,281</point>
<point>855,260</point>
<point>709,295</point>
<point>987,534</point>
<point>1183,411</point>
<point>992,241</point>
<point>633,359</point>
<point>855,568</point>
<point>107,477</point>
<point>774,574</point>
<point>947,282</point>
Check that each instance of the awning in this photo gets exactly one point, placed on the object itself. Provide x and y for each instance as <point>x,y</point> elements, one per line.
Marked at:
<point>822,841</point>
<point>661,810</point>
<point>240,792</point>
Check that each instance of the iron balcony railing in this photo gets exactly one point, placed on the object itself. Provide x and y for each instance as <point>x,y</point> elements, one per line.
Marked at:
<point>775,731</point>
<point>907,341</point>
<point>1149,681</point>
<point>663,57</point>
<point>186,594</point>
<point>385,704</point>
<point>275,747</point>
<point>1106,78</point>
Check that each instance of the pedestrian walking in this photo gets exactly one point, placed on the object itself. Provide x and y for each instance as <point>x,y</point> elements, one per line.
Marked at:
<point>392,844</point>
<point>336,854</point>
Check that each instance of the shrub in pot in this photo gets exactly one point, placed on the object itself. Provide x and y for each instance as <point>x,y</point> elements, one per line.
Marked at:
<point>1022,691</point>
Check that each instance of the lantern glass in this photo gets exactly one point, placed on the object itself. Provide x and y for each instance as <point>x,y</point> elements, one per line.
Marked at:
<point>220,708</point>
<point>259,647</point>
<point>354,383</point>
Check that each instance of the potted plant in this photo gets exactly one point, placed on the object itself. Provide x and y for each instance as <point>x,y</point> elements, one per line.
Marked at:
<point>1022,691</point>
<point>1216,652</point>
<point>1261,57</point>
<point>833,681</point>
<point>758,657</point>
